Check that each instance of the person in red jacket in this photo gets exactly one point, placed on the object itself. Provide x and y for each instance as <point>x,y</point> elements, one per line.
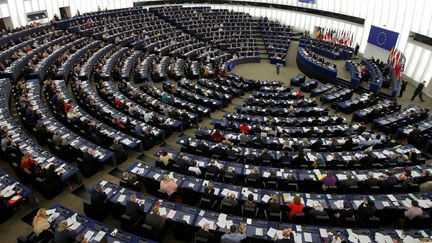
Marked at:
<point>27,161</point>
<point>67,106</point>
<point>296,206</point>
<point>118,102</point>
<point>244,128</point>
<point>217,136</point>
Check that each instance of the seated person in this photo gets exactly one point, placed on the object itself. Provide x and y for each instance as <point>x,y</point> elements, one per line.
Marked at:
<point>204,232</point>
<point>131,181</point>
<point>244,128</point>
<point>165,158</point>
<point>249,203</point>
<point>168,186</point>
<point>426,176</point>
<point>414,211</point>
<point>235,236</point>
<point>134,209</point>
<point>287,236</point>
<point>389,179</point>
<point>254,175</point>
<point>345,212</point>
<point>243,138</point>
<point>209,192</point>
<point>231,199</point>
<point>195,168</point>
<point>218,150</point>
<point>41,226</point>
<point>349,181</point>
<point>217,136</point>
<point>329,179</point>
<point>27,162</point>
<point>265,155</point>
<point>295,207</point>
<point>51,176</point>
<point>98,197</point>
<point>63,234</point>
<point>366,210</point>
<point>154,220</point>
<point>213,167</point>
<point>274,204</point>
<point>317,210</point>
<point>370,180</point>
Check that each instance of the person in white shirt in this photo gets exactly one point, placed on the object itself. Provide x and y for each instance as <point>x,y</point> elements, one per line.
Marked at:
<point>194,168</point>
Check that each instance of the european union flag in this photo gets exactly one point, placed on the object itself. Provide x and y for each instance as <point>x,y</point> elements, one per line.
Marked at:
<point>383,38</point>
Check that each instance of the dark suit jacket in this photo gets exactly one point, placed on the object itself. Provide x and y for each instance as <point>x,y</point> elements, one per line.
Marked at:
<point>366,212</point>
<point>155,221</point>
<point>211,238</point>
<point>213,169</point>
<point>349,182</point>
<point>371,182</point>
<point>290,240</point>
<point>98,199</point>
<point>51,177</point>
<point>133,210</point>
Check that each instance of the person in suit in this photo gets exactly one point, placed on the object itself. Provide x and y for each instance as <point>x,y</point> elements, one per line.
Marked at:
<point>212,167</point>
<point>62,234</point>
<point>402,87</point>
<point>265,155</point>
<point>345,212</point>
<point>418,91</point>
<point>317,210</point>
<point>51,176</point>
<point>209,192</point>
<point>156,221</point>
<point>218,151</point>
<point>231,199</point>
<point>366,210</point>
<point>287,236</point>
<point>349,181</point>
<point>133,209</point>
<point>389,180</point>
<point>131,181</point>
<point>426,176</point>
<point>204,232</point>
<point>118,149</point>
<point>370,180</point>
<point>98,197</point>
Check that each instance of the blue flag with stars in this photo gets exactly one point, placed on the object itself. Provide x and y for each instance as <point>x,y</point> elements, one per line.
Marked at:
<point>383,38</point>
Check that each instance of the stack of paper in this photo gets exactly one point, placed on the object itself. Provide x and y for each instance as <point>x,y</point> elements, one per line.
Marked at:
<point>272,232</point>
<point>171,214</point>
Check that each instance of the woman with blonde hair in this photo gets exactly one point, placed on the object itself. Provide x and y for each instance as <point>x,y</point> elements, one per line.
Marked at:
<point>63,234</point>
<point>168,186</point>
<point>40,222</point>
<point>27,161</point>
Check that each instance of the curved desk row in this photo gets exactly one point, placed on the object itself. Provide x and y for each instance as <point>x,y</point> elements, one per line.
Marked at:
<point>230,64</point>
<point>314,69</point>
